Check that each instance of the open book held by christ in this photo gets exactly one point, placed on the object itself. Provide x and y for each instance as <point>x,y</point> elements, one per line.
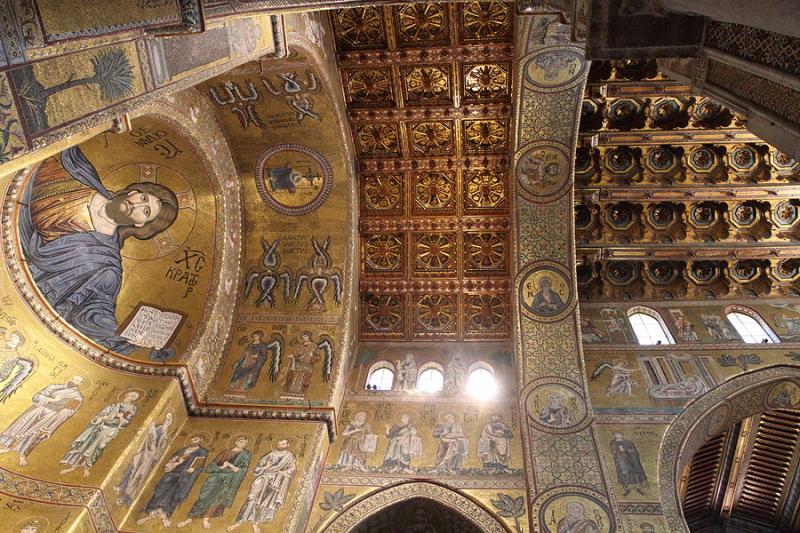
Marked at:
<point>151,326</point>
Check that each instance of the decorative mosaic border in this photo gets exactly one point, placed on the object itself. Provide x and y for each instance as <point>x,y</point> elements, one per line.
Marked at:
<point>383,498</point>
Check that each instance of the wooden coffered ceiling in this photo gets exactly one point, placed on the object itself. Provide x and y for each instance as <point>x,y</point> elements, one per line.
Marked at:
<point>675,198</point>
<point>428,89</point>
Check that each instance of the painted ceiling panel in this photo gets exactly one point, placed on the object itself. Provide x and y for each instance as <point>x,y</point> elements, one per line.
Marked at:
<point>428,94</point>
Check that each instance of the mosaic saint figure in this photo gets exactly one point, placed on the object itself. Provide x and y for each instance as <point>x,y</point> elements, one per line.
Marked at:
<point>402,437</point>
<point>547,302</point>
<point>555,414</point>
<point>791,325</point>
<point>494,445</point>
<point>630,472</point>
<point>272,476</point>
<point>52,406</point>
<point>407,373</point>
<point>453,444</point>
<point>72,230</point>
<point>248,367</point>
<point>180,474</point>
<point>683,325</point>
<point>225,473</point>
<point>455,375</point>
<point>575,521</point>
<point>88,447</point>
<point>718,329</point>
<point>353,456</point>
<point>150,451</point>
<point>590,333</point>
<point>14,369</point>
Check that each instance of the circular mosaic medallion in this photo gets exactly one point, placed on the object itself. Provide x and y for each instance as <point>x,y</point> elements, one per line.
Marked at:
<point>545,292</point>
<point>555,405</point>
<point>292,179</point>
<point>543,173</point>
<point>784,395</point>
<point>575,509</point>
<point>717,420</point>
<point>555,68</point>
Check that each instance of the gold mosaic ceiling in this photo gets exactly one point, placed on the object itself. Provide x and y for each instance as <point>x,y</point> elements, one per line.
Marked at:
<point>428,88</point>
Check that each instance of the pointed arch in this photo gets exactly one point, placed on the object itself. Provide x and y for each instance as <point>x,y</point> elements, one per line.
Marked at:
<point>741,397</point>
<point>377,501</point>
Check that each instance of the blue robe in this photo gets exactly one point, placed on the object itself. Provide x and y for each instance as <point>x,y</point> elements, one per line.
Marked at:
<point>174,486</point>
<point>245,376</point>
<point>80,274</point>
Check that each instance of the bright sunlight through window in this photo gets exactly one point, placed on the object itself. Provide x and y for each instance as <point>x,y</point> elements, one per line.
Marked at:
<point>381,379</point>
<point>481,384</point>
<point>430,380</point>
<point>750,330</point>
<point>648,330</point>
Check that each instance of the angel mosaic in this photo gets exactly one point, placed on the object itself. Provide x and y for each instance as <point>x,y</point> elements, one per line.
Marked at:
<point>295,92</point>
<point>317,277</point>
<point>622,382</point>
<point>14,368</point>
<point>255,354</point>
<point>305,353</point>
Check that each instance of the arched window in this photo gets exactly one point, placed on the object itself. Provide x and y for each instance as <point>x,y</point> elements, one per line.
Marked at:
<point>750,326</point>
<point>431,378</point>
<point>648,327</point>
<point>381,376</point>
<point>481,381</point>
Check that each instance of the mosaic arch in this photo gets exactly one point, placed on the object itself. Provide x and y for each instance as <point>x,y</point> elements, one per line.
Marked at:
<point>84,274</point>
<point>286,127</point>
<point>743,396</point>
<point>565,476</point>
<point>374,503</point>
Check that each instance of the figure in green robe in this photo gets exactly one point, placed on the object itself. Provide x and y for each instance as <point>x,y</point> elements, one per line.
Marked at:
<point>225,473</point>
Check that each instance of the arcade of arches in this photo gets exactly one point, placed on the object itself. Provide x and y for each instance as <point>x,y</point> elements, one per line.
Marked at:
<point>296,266</point>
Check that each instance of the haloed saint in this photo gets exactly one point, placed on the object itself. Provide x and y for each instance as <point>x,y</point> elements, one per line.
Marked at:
<point>72,230</point>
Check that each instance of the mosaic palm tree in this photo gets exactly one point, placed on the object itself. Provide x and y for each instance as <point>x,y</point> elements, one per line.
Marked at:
<point>113,74</point>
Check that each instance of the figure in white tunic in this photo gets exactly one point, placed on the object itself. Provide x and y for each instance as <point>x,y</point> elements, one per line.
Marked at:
<point>273,474</point>
<point>52,406</point>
